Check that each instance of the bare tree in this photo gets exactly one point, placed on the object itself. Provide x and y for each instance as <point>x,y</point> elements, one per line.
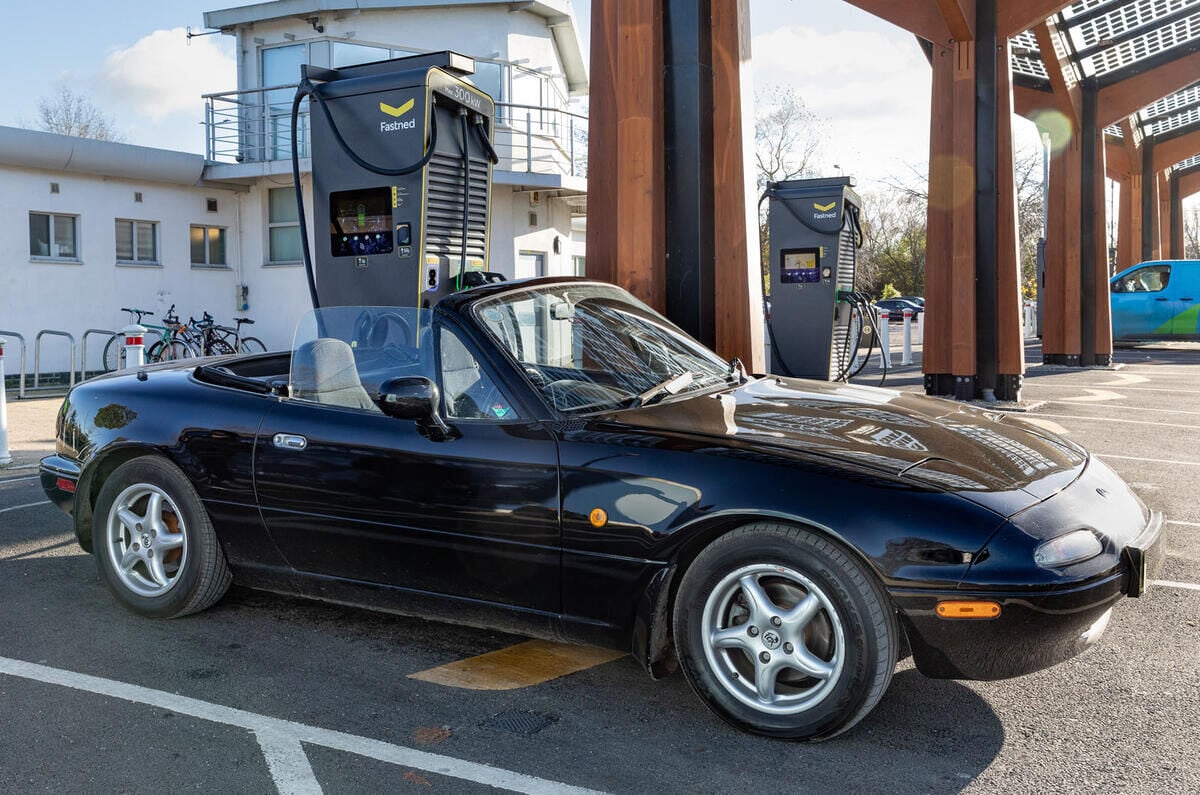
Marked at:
<point>787,136</point>
<point>68,113</point>
<point>1191,234</point>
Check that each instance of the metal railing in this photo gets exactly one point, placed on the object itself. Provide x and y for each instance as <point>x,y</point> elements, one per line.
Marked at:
<point>37,355</point>
<point>83,350</point>
<point>21,365</point>
<point>255,126</point>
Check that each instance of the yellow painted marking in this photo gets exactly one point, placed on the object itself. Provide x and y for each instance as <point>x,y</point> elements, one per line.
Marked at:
<point>824,207</point>
<point>397,112</point>
<point>523,665</point>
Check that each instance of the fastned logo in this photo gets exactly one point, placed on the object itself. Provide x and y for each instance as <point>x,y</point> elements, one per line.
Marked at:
<point>396,112</point>
<point>824,210</point>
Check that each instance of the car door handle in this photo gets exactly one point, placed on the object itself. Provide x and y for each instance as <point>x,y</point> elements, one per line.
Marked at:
<point>1162,299</point>
<point>290,441</point>
<point>1185,299</point>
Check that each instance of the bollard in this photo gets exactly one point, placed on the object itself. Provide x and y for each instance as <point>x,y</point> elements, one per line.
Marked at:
<point>135,348</point>
<point>5,458</point>
<point>906,358</point>
<point>854,359</point>
<point>885,355</point>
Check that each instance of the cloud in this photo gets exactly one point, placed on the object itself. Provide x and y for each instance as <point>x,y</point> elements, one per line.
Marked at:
<point>872,90</point>
<point>163,73</point>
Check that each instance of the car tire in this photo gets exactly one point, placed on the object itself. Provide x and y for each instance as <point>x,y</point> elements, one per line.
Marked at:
<point>782,632</point>
<point>154,542</point>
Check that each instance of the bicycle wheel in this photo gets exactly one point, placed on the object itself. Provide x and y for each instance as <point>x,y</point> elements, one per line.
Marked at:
<point>252,345</point>
<point>219,348</point>
<point>114,355</point>
<point>164,351</point>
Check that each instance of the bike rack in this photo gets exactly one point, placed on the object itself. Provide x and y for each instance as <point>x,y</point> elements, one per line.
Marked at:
<point>37,355</point>
<point>83,349</point>
<point>21,366</point>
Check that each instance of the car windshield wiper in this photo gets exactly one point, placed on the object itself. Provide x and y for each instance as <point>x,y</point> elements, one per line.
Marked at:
<point>669,387</point>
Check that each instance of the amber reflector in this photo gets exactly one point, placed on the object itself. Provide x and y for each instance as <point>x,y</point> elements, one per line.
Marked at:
<point>968,609</point>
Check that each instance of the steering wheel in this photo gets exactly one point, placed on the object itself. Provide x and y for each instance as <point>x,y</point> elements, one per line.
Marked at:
<point>375,332</point>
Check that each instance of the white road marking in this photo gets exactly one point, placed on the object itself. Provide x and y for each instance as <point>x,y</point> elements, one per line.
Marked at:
<point>19,480</point>
<point>1187,586</point>
<point>1185,524</point>
<point>1096,396</point>
<point>1069,385</point>
<point>26,505</point>
<point>1124,422</point>
<point>288,764</point>
<point>1124,379</point>
<point>1151,460</point>
<point>278,731</point>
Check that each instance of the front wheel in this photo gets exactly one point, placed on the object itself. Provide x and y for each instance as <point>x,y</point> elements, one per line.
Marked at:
<point>114,354</point>
<point>155,546</point>
<point>251,345</point>
<point>781,632</point>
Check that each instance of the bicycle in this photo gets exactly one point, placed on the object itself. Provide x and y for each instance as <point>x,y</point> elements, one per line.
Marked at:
<point>217,340</point>
<point>169,347</point>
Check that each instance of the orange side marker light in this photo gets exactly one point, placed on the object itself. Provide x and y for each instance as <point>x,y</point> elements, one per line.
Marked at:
<point>968,609</point>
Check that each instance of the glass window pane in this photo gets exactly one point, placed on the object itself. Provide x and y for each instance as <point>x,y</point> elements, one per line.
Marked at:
<point>345,54</point>
<point>198,249</point>
<point>281,65</point>
<point>282,203</point>
<point>216,246</point>
<point>146,248</point>
<point>39,235</point>
<point>487,77</point>
<point>468,391</point>
<point>124,240</point>
<point>285,244</point>
<point>64,236</point>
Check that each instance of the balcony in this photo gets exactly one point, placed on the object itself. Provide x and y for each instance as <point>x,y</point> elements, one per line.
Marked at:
<point>254,127</point>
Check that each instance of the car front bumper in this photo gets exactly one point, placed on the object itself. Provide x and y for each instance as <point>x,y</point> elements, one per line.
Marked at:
<point>1036,628</point>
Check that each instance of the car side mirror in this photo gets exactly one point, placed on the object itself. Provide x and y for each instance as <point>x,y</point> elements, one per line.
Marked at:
<point>412,398</point>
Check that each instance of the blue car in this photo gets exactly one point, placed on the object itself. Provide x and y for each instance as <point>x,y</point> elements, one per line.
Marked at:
<point>1157,300</point>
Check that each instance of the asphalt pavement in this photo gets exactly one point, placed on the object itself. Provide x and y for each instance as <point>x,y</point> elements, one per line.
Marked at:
<point>267,693</point>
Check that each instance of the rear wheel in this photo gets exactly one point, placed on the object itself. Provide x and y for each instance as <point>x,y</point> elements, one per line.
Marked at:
<point>114,355</point>
<point>252,345</point>
<point>781,632</point>
<point>155,546</point>
<point>163,351</point>
<point>218,347</point>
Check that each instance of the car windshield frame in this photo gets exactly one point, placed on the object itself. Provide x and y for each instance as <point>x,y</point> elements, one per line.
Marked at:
<point>589,347</point>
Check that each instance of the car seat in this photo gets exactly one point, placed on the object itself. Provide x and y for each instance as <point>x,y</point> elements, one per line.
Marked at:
<point>323,371</point>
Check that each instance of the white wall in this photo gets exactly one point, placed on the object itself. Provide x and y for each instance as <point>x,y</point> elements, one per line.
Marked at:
<point>72,297</point>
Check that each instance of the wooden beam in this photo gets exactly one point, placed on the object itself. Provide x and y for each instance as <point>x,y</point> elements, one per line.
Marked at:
<point>938,319</point>
<point>1134,93</point>
<point>962,293</point>
<point>1018,16</point>
<point>1189,184</point>
<point>1174,150</point>
<point>1010,345</point>
<point>1062,76</point>
<point>1061,342</point>
<point>1028,103</point>
<point>1101,311</point>
<point>960,18</point>
<point>922,17</point>
<point>738,277</point>
<point>625,149</point>
<point>1129,221</point>
<point>1117,160</point>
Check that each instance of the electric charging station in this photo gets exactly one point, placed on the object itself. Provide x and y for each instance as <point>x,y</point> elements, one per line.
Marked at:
<point>401,173</point>
<point>815,236</point>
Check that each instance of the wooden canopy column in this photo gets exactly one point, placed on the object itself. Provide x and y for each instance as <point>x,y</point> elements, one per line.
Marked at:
<point>1175,249</point>
<point>667,141</point>
<point>1129,213</point>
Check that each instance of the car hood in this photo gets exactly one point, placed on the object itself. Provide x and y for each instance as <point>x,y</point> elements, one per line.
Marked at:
<point>990,458</point>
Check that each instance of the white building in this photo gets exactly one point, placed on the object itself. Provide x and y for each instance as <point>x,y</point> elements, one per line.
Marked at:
<point>87,227</point>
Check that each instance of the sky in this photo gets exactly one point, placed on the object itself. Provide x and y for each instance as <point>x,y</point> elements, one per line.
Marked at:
<point>866,80</point>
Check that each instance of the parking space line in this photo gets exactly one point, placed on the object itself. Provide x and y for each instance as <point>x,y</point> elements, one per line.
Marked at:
<point>26,505</point>
<point>1123,422</point>
<point>19,480</point>
<point>1151,460</point>
<point>1185,524</point>
<point>1187,586</point>
<point>289,765</point>
<point>1069,385</point>
<point>277,729</point>
<point>523,665</point>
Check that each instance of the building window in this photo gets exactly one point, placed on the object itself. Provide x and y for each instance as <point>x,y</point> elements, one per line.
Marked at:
<point>283,226</point>
<point>137,242</point>
<point>53,236</point>
<point>580,265</point>
<point>208,247</point>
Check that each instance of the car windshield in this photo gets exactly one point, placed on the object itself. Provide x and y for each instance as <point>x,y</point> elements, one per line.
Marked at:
<point>592,347</point>
<point>341,354</point>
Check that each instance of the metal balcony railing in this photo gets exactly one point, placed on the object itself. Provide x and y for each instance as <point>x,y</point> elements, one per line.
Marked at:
<point>255,126</point>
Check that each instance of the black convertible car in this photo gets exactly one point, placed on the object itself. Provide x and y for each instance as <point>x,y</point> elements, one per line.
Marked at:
<point>554,458</point>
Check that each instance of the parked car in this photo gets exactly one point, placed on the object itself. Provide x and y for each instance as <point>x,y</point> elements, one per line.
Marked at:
<point>554,457</point>
<point>919,300</point>
<point>896,307</point>
<point>1157,300</point>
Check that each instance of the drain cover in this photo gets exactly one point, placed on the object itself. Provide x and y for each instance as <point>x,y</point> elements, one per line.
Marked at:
<point>519,722</point>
